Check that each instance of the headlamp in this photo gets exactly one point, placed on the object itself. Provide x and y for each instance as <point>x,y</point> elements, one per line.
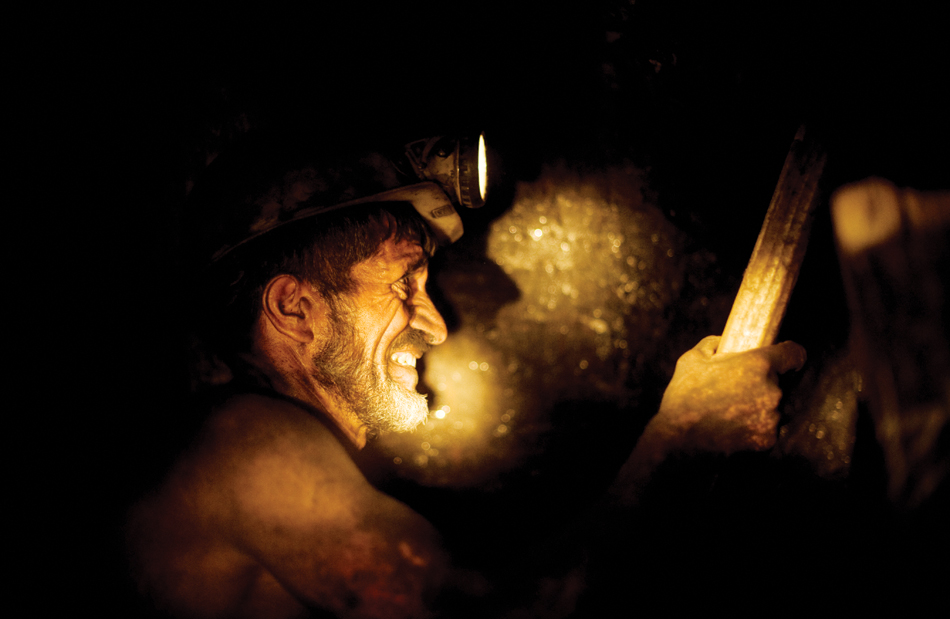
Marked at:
<point>435,175</point>
<point>453,171</point>
<point>459,165</point>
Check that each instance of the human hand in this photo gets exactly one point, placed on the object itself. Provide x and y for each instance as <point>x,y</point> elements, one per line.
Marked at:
<point>724,403</point>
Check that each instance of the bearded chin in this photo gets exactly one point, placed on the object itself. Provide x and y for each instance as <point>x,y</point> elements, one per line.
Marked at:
<point>391,407</point>
<point>370,393</point>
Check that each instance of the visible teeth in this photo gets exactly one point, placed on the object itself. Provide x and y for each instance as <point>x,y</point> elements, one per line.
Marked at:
<point>404,358</point>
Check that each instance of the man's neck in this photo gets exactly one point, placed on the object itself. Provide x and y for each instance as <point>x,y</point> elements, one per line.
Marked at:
<point>303,388</point>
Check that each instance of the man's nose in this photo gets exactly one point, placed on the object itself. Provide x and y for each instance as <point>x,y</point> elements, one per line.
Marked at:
<point>428,319</point>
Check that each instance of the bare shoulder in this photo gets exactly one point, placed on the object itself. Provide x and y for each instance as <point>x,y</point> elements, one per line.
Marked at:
<point>271,507</point>
<point>256,453</point>
<point>266,457</point>
<point>291,497</point>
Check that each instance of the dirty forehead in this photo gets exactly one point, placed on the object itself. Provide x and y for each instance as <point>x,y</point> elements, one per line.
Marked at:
<point>267,184</point>
<point>395,259</point>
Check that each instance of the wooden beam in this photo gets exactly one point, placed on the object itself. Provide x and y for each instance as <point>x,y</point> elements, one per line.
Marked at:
<point>776,260</point>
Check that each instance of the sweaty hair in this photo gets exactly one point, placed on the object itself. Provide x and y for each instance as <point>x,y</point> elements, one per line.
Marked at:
<point>321,251</point>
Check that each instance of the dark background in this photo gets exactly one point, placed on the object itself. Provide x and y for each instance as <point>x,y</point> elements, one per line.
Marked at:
<point>704,96</point>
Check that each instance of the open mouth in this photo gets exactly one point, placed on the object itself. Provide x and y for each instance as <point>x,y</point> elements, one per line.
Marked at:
<point>402,369</point>
<point>404,354</point>
<point>404,359</point>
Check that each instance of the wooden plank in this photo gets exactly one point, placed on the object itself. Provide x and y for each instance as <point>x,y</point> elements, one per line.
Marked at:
<point>776,260</point>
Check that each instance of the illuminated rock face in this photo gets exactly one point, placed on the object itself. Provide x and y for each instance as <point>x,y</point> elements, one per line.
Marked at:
<point>558,310</point>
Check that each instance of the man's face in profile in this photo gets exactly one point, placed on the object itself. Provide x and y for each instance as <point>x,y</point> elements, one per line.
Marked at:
<point>377,332</point>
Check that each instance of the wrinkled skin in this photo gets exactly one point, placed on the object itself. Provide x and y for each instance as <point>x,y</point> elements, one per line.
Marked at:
<point>266,514</point>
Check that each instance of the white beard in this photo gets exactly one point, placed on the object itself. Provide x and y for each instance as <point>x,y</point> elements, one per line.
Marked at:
<point>391,407</point>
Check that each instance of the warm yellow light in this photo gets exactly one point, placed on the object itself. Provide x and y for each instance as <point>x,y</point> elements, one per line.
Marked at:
<point>777,257</point>
<point>482,167</point>
<point>579,252</point>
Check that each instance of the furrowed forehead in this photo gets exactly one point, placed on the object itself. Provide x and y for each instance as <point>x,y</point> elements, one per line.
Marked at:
<point>408,253</point>
<point>391,261</point>
<point>411,228</point>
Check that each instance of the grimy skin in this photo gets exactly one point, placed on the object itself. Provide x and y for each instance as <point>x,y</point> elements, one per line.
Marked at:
<point>715,403</point>
<point>267,516</point>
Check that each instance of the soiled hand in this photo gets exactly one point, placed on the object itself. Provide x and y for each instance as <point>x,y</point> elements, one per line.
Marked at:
<point>727,402</point>
<point>716,404</point>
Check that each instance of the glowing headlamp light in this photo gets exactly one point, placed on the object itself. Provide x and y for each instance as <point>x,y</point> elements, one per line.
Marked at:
<point>453,171</point>
<point>435,175</point>
<point>460,166</point>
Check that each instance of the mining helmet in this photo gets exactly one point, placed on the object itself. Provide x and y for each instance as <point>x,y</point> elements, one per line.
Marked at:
<point>264,186</point>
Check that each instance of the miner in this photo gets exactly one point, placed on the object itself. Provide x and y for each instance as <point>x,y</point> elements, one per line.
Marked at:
<point>314,283</point>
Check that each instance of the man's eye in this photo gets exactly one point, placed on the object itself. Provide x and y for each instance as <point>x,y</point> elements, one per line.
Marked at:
<point>403,288</point>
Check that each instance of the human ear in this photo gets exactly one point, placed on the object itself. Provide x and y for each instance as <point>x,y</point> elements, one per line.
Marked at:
<point>292,307</point>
